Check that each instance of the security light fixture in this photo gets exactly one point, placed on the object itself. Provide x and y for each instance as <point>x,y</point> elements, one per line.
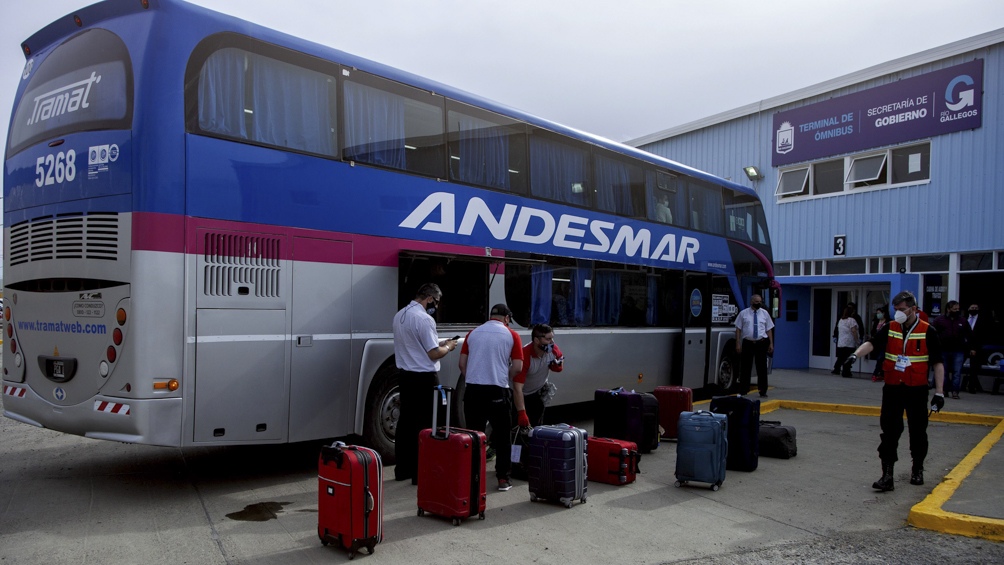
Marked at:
<point>752,173</point>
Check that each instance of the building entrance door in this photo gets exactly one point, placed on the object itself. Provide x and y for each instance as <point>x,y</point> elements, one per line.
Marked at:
<point>828,305</point>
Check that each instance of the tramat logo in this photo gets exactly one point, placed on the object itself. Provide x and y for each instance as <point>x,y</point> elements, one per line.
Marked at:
<point>63,100</point>
<point>535,226</point>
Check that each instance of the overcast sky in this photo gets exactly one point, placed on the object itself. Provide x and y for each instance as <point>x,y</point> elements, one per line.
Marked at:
<point>620,69</point>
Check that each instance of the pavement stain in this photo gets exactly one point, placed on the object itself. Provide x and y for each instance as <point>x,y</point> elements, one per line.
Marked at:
<point>258,512</point>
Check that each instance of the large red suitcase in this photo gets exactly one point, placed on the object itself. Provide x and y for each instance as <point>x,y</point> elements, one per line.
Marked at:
<point>672,401</point>
<point>451,468</point>
<point>612,461</point>
<point>350,497</point>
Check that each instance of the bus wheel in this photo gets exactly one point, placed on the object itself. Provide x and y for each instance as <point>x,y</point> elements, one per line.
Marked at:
<point>383,410</point>
<point>728,373</point>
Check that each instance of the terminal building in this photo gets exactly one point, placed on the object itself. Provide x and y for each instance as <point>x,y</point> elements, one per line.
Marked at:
<point>883,180</point>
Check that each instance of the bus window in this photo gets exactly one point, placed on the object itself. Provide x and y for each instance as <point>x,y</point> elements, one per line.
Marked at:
<point>84,85</point>
<point>667,198</point>
<point>621,298</point>
<point>619,187</point>
<point>464,284</point>
<point>486,149</point>
<point>261,94</point>
<point>392,125</point>
<point>706,208</point>
<point>558,169</point>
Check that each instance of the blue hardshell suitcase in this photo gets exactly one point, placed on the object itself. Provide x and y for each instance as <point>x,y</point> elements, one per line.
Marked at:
<point>556,464</point>
<point>701,448</point>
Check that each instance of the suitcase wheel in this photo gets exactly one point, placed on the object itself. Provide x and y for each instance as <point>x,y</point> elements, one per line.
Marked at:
<point>370,549</point>
<point>568,504</point>
<point>324,542</point>
<point>352,555</point>
<point>533,497</point>
<point>481,516</point>
<point>421,512</point>
<point>583,500</point>
<point>678,484</point>
<point>714,487</point>
<point>456,521</point>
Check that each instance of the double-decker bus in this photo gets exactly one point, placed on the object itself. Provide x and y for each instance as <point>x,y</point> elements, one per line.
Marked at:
<point>209,225</point>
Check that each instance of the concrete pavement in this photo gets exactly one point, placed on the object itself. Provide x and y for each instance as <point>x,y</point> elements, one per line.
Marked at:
<point>65,499</point>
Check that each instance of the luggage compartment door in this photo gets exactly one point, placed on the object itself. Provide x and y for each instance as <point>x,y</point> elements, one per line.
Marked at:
<point>697,329</point>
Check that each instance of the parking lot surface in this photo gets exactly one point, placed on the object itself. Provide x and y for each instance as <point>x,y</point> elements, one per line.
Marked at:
<point>66,499</point>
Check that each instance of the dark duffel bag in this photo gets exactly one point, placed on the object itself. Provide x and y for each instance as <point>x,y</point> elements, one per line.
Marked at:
<point>777,441</point>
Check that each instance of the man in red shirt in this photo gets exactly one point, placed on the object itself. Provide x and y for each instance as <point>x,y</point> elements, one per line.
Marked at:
<point>540,357</point>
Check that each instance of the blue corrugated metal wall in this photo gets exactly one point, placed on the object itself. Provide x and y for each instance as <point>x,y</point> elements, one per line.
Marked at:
<point>962,208</point>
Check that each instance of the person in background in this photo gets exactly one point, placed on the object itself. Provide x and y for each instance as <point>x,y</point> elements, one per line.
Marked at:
<point>879,321</point>
<point>847,339</point>
<point>491,356</point>
<point>662,211</point>
<point>956,336</point>
<point>417,351</point>
<point>540,357</point>
<point>754,341</point>
<point>911,348</point>
<point>982,330</point>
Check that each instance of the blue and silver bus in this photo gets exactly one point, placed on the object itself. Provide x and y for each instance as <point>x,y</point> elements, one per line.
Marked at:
<point>209,225</point>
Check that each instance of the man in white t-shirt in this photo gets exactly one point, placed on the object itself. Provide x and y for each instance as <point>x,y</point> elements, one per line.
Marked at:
<point>492,354</point>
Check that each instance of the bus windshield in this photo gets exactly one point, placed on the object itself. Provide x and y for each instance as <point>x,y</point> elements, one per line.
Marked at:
<point>85,84</point>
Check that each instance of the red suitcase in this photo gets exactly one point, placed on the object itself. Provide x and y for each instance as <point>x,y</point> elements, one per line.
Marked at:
<point>612,461</point>
<point>451,468</point>
<point>672,401</point>
<point>350,497</point>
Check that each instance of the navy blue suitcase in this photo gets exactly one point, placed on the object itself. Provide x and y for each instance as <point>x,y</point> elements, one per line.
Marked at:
<point>620,414</point>
<point>702,447</point>
<point>556,463</point>
<point>744,430</point>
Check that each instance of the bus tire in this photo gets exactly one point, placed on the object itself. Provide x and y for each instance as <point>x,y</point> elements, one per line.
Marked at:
<point>727,376</point>
<point>383,409</point>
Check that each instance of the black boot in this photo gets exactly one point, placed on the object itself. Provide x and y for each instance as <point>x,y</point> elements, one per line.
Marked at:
<point>917,475</point>
<point>885,483</point>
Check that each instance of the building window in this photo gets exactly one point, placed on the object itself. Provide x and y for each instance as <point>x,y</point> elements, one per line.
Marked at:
<point>887,264</point>
<point>976,262</point>
<point>866,171</point>
<point>796,268</point>
<point>845,267</point>
<point>873,265</point>
<point>793,182</point>
<point>782,269</point>
<point>928,263</point>
<point>911,164</point>
<point>817,267</point>
<point>828,177</point>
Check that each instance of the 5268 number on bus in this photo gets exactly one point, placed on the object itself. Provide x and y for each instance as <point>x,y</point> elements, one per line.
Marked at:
<point>50,169</point>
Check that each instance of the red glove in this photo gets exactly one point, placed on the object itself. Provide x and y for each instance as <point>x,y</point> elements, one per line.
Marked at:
<point>523,419</point>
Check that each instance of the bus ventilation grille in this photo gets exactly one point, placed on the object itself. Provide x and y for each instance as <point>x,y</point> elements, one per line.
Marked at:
<point>94,235</point>
<point>239,265</point>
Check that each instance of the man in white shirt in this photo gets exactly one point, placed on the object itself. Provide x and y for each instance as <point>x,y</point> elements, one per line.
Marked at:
<point>417,351</point>
<point>754,341</point>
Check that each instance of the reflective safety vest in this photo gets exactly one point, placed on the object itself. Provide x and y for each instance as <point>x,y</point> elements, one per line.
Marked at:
<point>915,350</point>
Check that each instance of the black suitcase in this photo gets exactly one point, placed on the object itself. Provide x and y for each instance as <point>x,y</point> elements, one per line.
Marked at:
<point>744,430</point>
<point>618,415</point>
<point>776,440</point>
<point>650,434</point>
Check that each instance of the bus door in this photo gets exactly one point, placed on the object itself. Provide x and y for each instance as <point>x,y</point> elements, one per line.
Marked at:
<point>697,329</point>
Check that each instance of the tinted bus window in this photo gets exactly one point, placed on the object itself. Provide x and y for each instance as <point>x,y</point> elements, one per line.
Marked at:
<point>619,187</point>
<point>559,169</point>
<point>84,85</point>
<point>622,298</point>
<point>706,208</point>
<point>486,149</point>
<point>392,125</point>
<point>251,97</point>
<point>667,198</point>
<point>744,219</point>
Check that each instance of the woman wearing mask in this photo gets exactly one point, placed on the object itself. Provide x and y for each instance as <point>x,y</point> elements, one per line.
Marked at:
<point>879,321</point>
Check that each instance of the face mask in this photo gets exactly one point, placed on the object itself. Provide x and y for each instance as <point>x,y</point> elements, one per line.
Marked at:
<point>974,312</point>
<point>756,305</point>
<point>901,317</point>
<point>546,347</point>
<point>879,316</point>
<point>954,314</point>
<point>431,310</point>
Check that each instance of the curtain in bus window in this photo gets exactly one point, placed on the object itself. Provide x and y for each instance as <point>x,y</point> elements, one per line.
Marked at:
<point>221,94</point>
<point>540,301</point>
<point>652,310</point>
<point>613,186</point>
<point>484,152</point>
<point>706,208</point>
<point>291,106</point>
<point>374,126</point>
<point>557,171</point>
<point>580,283</point>
<point>607,292</point>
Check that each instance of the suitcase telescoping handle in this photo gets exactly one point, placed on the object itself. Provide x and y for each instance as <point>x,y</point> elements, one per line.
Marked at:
<point>441,396</point>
